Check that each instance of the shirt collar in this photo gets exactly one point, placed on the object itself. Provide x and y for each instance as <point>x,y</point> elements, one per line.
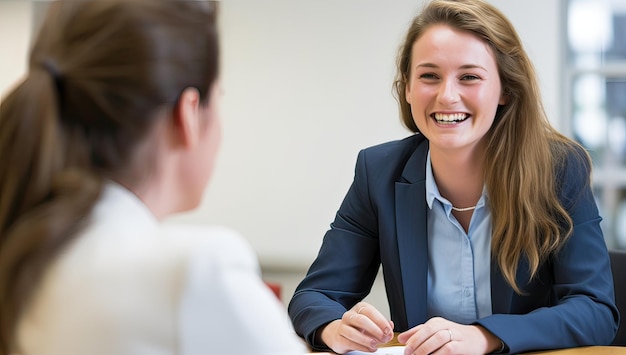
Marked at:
<point>432,191</point>
<point>119,203</point>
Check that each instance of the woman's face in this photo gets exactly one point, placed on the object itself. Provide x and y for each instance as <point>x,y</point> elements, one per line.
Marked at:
<point>453,88</point>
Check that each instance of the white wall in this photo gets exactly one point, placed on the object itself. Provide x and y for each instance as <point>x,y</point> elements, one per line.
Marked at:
<point>307,84</point>
<point>15,33</point>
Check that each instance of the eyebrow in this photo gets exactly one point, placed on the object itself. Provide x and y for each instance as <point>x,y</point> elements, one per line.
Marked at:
<point>464,66</point>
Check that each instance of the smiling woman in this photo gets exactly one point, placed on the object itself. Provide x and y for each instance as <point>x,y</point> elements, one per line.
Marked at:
<point>484,220</point>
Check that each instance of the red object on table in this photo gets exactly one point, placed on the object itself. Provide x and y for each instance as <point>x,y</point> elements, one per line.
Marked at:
<point>275,287</point>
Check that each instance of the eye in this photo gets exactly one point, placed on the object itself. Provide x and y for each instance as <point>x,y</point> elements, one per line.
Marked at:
<point>428,76</point>
<point>469,77</point>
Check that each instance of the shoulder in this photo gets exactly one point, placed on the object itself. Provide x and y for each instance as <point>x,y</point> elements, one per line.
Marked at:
<point>209,246</point>
<point>392,160</point>
<point>573,166</point>
<point>573,176</point>
<point>395,150</point>
<point>574,157</point>
<point>390,157</point>
<point>223,298</point>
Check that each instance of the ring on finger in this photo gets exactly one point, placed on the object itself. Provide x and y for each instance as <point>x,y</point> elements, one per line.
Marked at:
<point>360,309</point>
<point>449,332</point>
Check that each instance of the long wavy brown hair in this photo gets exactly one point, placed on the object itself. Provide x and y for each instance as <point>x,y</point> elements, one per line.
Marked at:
<point>100,72</point>
<point>524,152</point>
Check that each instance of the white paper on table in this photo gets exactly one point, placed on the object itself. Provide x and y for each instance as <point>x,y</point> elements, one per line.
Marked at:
<point>392,350</point>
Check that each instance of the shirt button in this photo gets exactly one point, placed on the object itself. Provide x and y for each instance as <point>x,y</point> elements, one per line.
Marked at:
<point>467,292</point>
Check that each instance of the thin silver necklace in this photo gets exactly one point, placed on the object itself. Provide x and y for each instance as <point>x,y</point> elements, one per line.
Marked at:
<point>464,209</point>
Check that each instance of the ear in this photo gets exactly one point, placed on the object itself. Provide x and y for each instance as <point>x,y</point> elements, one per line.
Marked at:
<point>407,90</point>
<point>504,97</point>
<point>186,118</point>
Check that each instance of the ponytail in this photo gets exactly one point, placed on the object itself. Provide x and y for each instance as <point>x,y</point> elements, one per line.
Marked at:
<point>46,187</point>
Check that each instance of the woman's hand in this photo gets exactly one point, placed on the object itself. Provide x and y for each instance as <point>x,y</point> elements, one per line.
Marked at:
<point>361,328</point>
<point>441,336</point>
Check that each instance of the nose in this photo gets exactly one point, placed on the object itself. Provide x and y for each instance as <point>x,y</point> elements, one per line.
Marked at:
<point>448,92</point>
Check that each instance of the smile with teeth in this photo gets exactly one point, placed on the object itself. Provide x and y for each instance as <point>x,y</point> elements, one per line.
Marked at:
<point>452,118</point>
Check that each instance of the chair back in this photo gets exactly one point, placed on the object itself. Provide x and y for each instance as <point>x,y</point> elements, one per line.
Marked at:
<point>618,267</point>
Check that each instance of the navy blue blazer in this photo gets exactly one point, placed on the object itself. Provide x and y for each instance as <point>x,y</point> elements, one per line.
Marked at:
<point>382,220</point>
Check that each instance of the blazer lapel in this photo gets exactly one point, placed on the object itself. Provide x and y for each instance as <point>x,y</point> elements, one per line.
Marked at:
<point>411,222</point>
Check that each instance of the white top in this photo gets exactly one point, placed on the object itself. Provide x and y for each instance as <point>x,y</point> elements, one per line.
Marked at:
<point>130,286</point>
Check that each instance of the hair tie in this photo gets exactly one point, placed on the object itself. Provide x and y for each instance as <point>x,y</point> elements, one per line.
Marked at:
<point>50,66</point>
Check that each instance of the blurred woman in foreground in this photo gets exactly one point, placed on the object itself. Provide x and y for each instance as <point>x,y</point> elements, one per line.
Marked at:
<point>116,127</point>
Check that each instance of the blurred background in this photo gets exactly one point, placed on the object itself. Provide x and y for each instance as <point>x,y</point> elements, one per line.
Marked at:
<point>308,84</point>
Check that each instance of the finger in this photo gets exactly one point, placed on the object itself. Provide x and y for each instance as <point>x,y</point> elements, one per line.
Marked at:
<point>363,324</point>
<point>405,336</point>
<point>358,340</point>
<point>437,341</point>
<point>426,330</point>
<point>373,322</point>
<point>392,326</point>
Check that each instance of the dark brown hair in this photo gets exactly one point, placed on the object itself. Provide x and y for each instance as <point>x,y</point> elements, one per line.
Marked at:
<point>523,150</point>
<point>99,74</point>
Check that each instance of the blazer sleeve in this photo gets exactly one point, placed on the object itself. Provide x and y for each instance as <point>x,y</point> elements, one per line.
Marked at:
<point>582,310</point>
<point>346,266</point>
<point>226,308</point>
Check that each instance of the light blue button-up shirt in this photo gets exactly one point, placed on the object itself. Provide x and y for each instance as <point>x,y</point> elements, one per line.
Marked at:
<point>459,282</point>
